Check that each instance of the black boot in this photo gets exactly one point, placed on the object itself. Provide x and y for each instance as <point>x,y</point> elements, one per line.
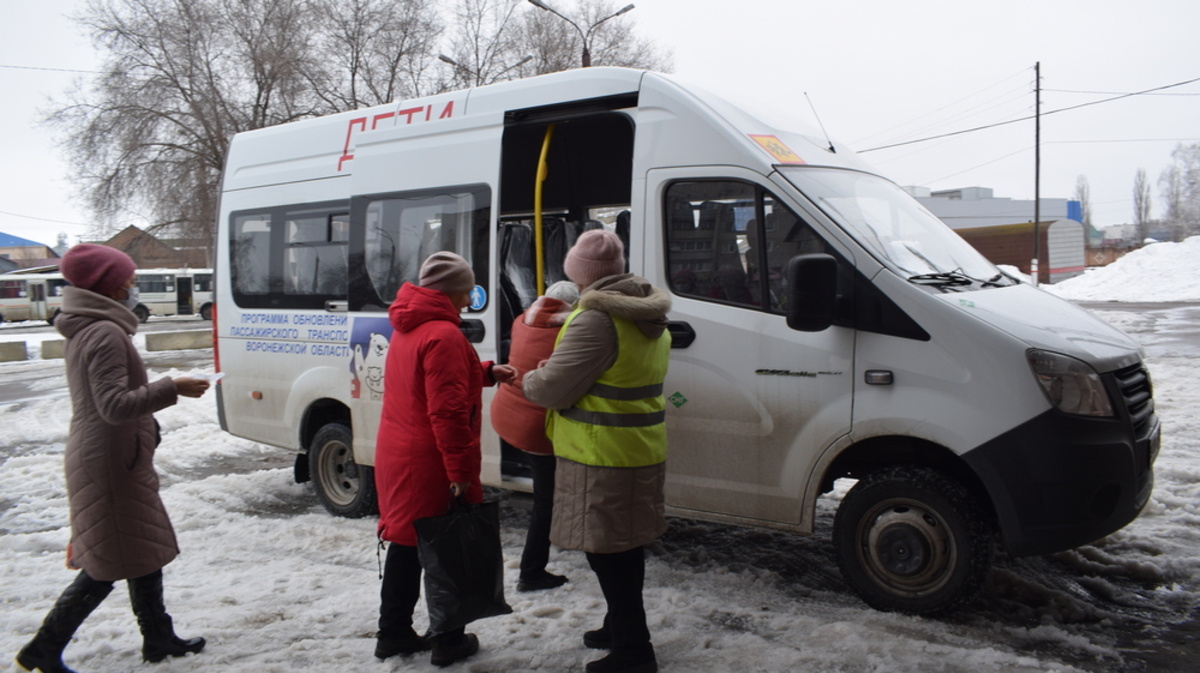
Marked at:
<point>453,646</point>
<point>44,652</point>
<point>638,659</point>
<point>158,631</point>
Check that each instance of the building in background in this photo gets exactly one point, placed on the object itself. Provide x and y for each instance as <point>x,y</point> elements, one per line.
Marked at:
<point>1002,229</point>
<point>150,252</point>
<point>22,253</point>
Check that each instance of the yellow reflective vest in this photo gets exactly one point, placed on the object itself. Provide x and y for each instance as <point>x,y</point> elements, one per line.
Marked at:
<point>620,421</point>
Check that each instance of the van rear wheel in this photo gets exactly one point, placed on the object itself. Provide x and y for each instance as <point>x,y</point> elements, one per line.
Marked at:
<point>344,487</point>
<point>911,539</point>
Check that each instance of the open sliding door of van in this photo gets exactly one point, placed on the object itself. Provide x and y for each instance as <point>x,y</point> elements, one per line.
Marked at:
<point>751,402</point>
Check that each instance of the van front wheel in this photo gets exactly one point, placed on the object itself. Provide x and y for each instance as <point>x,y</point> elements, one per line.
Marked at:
<point>344,487</point>
<point>911,539</point>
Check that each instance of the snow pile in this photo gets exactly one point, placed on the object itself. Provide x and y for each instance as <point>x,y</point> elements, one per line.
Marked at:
<point>1160,272</point>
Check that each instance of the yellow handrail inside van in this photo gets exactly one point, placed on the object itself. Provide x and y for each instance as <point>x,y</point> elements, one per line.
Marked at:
<point>542,171</point>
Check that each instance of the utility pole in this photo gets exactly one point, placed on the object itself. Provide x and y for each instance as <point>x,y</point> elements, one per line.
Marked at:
<point>1037,169</point>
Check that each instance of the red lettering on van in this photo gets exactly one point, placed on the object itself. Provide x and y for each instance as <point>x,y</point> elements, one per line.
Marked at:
<point>405,116</point>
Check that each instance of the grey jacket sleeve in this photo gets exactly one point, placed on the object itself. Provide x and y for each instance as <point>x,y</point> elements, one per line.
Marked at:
<point>587,349</point>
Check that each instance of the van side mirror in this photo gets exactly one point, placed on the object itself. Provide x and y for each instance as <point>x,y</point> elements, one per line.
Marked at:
<point>812,291</point>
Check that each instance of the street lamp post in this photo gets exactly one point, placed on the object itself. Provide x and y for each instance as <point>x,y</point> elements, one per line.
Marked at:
<point>585,36</point>
<point>478,77</point>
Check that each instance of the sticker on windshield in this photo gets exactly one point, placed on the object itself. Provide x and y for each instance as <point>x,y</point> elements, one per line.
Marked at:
<point>775,147</point>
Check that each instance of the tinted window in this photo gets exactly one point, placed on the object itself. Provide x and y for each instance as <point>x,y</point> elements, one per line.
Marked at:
<point>402,230</point>
<point>728,241</point>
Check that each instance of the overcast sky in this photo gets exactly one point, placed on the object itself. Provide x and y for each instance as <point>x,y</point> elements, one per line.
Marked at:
<point>877,71</point>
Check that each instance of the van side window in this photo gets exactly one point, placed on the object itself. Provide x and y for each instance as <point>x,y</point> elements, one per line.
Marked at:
<point>315,254</point>
<point>290,256</point>
<point>250,257</point>
<point>728,241</point>
<point>155,282</point>
<point>706,240</point>
<point>402,230</point>
<point>12,289</point>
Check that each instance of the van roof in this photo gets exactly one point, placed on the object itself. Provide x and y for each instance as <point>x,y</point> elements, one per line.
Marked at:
<point>274,154</point>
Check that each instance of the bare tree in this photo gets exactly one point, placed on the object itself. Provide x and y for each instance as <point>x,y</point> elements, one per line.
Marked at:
<point>557,44</point>
<point>180,77</point>
<point>372,51</point>
<point>149,135</point>
<point>1187,164</point>
<point>482,49</point>
<point>1141,205</point>
<point>1083,194</point>
<point>1170,182</point>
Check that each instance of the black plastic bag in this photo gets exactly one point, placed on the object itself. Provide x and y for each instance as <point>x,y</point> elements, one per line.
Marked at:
<point>464,565</point>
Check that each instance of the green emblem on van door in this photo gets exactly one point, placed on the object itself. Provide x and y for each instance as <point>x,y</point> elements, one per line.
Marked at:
<point>677,399</point>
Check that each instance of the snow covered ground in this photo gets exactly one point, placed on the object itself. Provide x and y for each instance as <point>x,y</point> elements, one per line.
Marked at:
<point>276,584</point>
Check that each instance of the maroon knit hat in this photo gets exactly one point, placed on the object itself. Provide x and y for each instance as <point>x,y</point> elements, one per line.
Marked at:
<point>597,253</point>
<point>98,268</point>
<point>447,272</point>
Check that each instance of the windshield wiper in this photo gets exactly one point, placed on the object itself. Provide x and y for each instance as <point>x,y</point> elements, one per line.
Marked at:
<point>994,281</point>
<point>945,278</point>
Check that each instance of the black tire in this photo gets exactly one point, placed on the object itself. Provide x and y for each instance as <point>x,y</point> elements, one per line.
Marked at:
<point>911,539</point>
<point>142,313</point>
<point>206,312</point>
<point>344,487</point>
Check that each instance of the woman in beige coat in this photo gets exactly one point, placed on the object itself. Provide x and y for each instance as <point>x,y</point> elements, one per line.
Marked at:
<point>119,527</point>
<point>603,387</point>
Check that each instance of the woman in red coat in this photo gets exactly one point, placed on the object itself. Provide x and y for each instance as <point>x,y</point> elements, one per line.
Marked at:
<point>428,442</point>
<point>522,424</point>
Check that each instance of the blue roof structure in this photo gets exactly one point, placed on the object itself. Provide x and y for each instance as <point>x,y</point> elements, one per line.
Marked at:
<point>10,241</point>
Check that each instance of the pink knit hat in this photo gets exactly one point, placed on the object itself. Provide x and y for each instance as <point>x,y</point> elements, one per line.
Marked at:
<point>98,268</point>
<point>596,254</point>
<point>447,272</point>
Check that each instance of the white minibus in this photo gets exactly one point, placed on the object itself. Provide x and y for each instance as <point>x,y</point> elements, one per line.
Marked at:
<point>174,292</point>
<point>30,296</point>
<point>824,324</point>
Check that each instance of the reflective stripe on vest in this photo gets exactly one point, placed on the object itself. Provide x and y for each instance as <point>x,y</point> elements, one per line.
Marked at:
<point>620,421</point>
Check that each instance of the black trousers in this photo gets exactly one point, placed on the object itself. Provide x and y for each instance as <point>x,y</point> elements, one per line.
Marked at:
<point>537,540</point>
<point>400,592</point>
<point>621,577</point>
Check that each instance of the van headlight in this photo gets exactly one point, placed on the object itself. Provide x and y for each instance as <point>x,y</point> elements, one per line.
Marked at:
<point>1071,385</point>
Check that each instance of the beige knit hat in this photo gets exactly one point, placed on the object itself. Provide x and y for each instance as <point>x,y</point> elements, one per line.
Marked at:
<point>448,273</point>
<point>596,254</point>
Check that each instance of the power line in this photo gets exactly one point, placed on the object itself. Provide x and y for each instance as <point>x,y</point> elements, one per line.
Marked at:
<point>951,104</point>
<point>33,67</point>
<point>1116,93</point>
<point>1027,118</point>
<point>41,219</point>
<point>1121,140</point>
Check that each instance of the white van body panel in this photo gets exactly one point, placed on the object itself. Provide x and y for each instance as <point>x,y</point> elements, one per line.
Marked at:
<point>1041,320</point>
<point>941,384</point>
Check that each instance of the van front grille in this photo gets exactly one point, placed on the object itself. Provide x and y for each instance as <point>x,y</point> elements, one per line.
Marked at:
<point>1138,396</point>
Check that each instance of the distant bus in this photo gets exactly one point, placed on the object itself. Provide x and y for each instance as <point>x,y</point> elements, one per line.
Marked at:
<point>30,296</point>
<point>174,292</point>
<point>38,296</point>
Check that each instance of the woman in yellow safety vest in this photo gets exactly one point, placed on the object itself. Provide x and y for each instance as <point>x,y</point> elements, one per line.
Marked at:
<point>603,389</point>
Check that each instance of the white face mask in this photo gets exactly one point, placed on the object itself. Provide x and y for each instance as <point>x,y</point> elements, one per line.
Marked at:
<point>132,298</point>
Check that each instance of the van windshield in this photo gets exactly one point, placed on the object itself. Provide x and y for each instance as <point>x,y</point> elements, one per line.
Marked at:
<point>896,228</point>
